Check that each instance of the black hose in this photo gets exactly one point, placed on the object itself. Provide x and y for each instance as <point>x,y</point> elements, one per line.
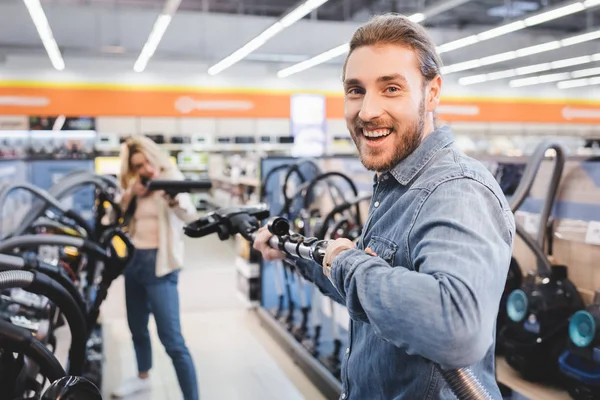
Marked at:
<point>48,200</point>
<point>55,272</point>
<point>19,340</point>
<point>319,178</point>
<point>38,283</point>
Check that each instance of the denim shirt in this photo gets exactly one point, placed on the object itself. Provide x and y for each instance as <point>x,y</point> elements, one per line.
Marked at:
<point>443,233</point>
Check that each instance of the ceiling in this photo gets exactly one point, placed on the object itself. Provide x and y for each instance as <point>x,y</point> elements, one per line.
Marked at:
<point>475,13</point>
<point>205,31</point>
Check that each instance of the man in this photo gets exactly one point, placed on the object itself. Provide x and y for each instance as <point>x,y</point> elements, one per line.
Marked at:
<point>424,282</point>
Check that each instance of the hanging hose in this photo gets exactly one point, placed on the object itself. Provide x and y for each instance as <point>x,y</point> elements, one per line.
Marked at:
<point>464,384</point>
<point>41,284</point>
<point>20,340</point>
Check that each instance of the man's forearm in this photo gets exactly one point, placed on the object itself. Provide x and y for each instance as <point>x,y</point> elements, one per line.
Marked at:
<point>313,272</point>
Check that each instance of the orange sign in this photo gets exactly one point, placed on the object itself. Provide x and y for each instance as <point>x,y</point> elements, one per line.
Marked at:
<point>453,109</point>
<point>22,98</point>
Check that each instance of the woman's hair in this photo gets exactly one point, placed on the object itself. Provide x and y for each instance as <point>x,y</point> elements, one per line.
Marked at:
<point>141,144</point>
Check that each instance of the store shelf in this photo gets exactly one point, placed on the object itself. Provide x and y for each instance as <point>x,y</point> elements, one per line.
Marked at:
<point>533,391</point>
<point>242,180</point>
<point>316,372</point>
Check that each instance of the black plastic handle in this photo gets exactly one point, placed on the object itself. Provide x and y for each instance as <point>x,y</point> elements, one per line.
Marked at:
<point>19,340</point>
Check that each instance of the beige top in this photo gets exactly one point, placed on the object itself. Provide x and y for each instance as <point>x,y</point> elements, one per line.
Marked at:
<point>146,219</point>
<point>171,221</point>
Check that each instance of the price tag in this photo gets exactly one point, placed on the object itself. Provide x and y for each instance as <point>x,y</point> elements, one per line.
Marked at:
<point>48,254</point>
<point>592,236</point>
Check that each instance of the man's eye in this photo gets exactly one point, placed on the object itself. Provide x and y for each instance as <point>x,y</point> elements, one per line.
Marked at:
<point>354,91</point>
<point>393,89</point>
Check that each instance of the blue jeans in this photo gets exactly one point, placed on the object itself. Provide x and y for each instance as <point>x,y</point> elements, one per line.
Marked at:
<point>144,294</point>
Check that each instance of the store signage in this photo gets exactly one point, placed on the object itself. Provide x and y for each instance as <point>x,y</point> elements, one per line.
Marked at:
<point>13,123</point>
<point>308,124</point>
<point>62,123</point>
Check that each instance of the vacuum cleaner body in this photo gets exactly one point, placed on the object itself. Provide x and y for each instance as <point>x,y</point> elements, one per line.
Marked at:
<point>580,362</point>
<point>538,324</point>
<point>514,280</point>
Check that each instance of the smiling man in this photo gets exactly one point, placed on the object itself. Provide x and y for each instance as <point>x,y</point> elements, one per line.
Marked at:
<point>424,281</point>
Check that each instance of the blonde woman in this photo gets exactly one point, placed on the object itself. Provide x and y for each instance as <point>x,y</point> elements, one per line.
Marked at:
<point>155,224</point>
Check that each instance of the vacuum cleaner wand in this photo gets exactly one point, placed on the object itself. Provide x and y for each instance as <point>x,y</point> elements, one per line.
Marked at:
<point>174,187</point>
<point>244,221</point>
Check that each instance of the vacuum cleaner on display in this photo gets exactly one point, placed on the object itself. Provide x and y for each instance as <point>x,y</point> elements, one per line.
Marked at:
<point>538,313</point>
<point>245,221</point>
<point>580,362</point>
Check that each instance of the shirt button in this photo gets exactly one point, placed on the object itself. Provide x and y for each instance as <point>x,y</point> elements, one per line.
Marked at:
<point>343,395</point>
<point>376,204</point>
<point>347,350</point>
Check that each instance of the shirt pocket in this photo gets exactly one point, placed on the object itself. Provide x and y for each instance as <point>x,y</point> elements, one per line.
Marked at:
<point>384,248</point>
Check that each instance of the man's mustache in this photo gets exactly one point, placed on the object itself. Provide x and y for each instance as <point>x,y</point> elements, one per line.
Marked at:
<point>360,124</point>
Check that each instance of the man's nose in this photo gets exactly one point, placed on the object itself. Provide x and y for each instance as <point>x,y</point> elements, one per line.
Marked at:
<point>371,108</point>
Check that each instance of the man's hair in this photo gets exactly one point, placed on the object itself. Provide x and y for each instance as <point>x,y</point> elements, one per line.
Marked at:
<point>397,29</point>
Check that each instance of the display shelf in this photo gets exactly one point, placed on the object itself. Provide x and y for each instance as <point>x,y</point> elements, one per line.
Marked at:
<point>316,372</point>
<point>242,180</point>
<point>533,391</point>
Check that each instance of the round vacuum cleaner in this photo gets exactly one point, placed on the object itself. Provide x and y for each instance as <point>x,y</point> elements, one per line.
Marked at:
<point>580,363</point>
<point>538,324</point>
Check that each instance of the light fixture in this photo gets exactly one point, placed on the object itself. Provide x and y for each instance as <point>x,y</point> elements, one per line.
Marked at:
<point>289,19</point>
<point>321,58</point>
<point>528,69</point>
<point>45,32</point>
<point>526,51</point>
<point>156,35</point>
<point>547,78</point>
<point>342,49</point>
<point>578,83</point>
<point>536,80</point>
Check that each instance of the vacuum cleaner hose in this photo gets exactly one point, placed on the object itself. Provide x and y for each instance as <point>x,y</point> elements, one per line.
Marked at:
<point>11,279</point>
<point>38,283</point>
<point>465,385</point>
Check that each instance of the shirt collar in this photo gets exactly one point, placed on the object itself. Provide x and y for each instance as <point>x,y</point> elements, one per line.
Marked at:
<point>408,168</point>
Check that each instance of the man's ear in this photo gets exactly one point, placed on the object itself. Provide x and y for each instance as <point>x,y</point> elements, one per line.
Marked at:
<point>434,90</point>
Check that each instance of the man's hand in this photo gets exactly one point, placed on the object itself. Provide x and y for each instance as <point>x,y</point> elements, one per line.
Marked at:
<point>261,243</point>
<point>334,248</point>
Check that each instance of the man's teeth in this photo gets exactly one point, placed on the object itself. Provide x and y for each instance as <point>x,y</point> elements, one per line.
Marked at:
<point>376,132</point>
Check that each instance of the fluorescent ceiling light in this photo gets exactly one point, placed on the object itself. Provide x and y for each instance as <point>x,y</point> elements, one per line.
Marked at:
<point>419,17</point>
<point>337,51</point>
<point>585,72</point>
<point>156,35</point>
<point>554,14</point>
<point>538,18</point>
<point>540,48</point>
<point>45,32</point>
<point>535,80</point>
<point>289,19</point>
<point>578,83</point>
<point>528,69</point>
<point>321,58</point>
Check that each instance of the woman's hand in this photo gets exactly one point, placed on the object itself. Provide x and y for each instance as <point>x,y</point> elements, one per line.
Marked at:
<point>138,188</point>
<point>171,201</point>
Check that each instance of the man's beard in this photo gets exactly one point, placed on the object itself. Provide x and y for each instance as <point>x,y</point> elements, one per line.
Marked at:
<point>405,140</point>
